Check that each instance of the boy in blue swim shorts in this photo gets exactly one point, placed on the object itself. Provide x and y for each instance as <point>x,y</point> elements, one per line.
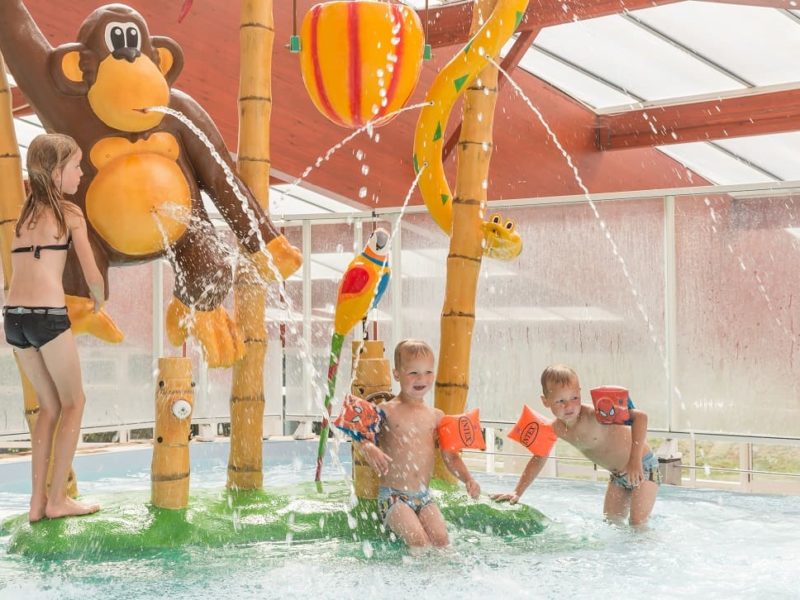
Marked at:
<point>620,448</point>
<point>406,450</point>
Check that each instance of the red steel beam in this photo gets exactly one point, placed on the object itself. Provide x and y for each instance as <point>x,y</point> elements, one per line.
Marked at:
<point>756,114</point>
<point>446,25</point>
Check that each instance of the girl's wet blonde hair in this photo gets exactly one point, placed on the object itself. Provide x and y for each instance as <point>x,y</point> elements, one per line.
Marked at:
<point>48,153</point>
<point>557,375</point>
<point>411,348</point>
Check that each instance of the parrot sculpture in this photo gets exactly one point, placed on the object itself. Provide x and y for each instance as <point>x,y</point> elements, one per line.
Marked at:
<point>362,286</point>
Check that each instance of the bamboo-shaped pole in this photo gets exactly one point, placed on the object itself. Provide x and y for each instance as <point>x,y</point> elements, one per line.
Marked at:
<point>169,477</point>
<point>256,37</point>
<point>372,380</point>
<point>464,258</point>
<point>12,196</point>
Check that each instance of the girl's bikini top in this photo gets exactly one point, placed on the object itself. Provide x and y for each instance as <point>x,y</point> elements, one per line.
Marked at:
<point>37,250</point>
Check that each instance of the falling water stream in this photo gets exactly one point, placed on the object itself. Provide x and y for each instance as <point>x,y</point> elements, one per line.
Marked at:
<point>604,228</point>
<point>620,259</point>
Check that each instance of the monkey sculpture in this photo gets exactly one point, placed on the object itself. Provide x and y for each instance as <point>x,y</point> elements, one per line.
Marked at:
<point>143,170</point>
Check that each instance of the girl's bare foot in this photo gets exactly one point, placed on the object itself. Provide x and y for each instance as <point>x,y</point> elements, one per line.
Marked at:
<point>69,508</point>
<point>37,510</point>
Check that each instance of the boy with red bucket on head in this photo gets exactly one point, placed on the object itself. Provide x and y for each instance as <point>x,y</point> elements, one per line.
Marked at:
<point>404,452</point>
<point>611,433</point>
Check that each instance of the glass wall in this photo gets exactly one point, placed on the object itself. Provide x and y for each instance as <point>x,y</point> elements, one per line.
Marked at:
<point>118,378</point>
<point>737,368</point>
<point>689,300</point>
<point>586,290</point>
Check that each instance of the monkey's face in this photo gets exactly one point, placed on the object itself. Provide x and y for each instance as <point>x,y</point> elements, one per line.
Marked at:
<point>127,81</point>
<point>119,67</point>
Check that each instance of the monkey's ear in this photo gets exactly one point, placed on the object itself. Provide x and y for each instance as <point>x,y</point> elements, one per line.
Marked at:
<point>67,71</point>
<point>170,57</point>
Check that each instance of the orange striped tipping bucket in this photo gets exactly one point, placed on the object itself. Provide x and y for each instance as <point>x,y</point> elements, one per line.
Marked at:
<point>360,59</point>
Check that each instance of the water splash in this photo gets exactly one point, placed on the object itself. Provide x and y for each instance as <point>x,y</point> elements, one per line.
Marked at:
<point>229,255</point>
<point>230,178</point>
<point>305,351</point>
<point>759,283</point>
<point>178,213</point>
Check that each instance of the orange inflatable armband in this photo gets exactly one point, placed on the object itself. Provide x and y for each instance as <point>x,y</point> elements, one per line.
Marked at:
<point>359,419</point>
<point>457,432</point>
<point>612,405</point>
<point>534,432</point>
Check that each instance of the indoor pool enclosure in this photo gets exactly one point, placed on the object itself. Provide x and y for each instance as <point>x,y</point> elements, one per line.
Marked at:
<point>264,280</point>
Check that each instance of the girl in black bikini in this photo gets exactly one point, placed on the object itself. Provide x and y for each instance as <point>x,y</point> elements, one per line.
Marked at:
<point>36,321</point>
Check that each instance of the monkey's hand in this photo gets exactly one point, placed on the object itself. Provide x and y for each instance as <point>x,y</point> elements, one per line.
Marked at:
<point>215,330</point>
<point>85,320</point>
<point>281,258</point>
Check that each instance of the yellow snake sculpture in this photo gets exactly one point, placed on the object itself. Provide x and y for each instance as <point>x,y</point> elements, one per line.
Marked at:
<point>501,239</point>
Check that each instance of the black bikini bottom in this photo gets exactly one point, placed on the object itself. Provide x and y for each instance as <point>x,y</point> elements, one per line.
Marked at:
<point>27,326</point>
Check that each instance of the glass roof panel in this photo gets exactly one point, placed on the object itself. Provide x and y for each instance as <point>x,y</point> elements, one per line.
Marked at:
<point>285,197</point>
<point>588,89</point>
<point>753,42</point>
<point>26,130</point>
<point>778,153</point>
<point>714,164</point>
<point>633,59</point>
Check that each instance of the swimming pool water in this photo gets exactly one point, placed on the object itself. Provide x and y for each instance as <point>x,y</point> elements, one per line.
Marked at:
<point>709,544</point>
